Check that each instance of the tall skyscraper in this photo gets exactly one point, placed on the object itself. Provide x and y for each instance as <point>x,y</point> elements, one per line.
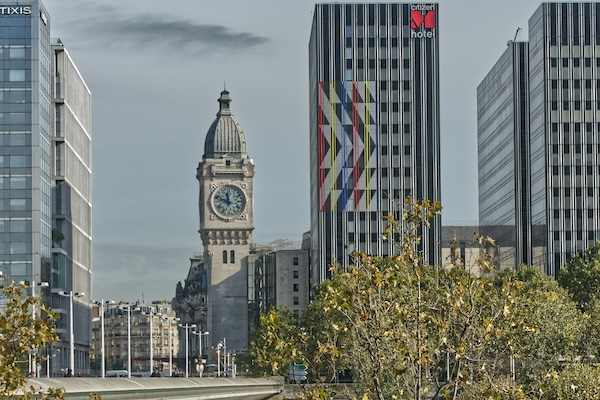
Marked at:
<point>72,203</point>
<point>503,143</point>
<point>563,136</point>
<point>45,161</point>
<point>374,126</point>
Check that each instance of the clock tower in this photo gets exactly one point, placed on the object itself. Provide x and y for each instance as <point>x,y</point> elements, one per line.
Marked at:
<point>226,208</point>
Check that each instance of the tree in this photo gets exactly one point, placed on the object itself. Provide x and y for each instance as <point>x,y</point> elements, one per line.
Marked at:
<point>19,333</point>
<point>406,329</point>
<point>549,327</point>
<point>325,333</point>
<point>581,276</point>
<point>277,342</point>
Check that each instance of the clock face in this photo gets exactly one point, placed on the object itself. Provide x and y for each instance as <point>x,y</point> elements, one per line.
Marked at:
<point>229,201</point>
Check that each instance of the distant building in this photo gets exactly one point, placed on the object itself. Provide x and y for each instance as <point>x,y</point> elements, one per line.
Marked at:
<point>277,275</point>
<point>279,278</point>
<point>165,340</point>
<point>538,129</point>
<point>374,126</point>
<point>45,175</point>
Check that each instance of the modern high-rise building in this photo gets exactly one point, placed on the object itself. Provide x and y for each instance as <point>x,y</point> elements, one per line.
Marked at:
<point>561,202</point>
<point>374,126</point>
<point>503,146</point>
<point>45,169</point>
<point>71,206</point>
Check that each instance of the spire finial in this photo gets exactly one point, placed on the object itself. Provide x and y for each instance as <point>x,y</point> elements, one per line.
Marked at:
<point>224,101</point>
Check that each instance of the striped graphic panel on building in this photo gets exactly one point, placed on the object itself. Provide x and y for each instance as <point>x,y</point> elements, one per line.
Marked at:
<point>347,146</point>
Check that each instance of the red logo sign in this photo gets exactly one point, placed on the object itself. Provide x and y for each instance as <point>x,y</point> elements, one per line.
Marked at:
<point>418,19</point>
<point>422,21</point>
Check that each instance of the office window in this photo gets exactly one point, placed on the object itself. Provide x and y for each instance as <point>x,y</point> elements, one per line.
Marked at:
<point>296,300</point>
<point>296,287</point>
<point>232,256</point>
<point>224,256</point>
<point>296,274</point>
<point>16,75</point>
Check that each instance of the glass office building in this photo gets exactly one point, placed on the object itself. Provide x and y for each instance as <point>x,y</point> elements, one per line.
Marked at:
<point>25,131</point>
<point>503,163</point>
<point>564,143</point>
<point>374,126</point>
<point>32,114</point>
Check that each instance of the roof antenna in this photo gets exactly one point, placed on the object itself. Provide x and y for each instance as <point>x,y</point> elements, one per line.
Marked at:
<point>517,34</point>
<point>224,86</point>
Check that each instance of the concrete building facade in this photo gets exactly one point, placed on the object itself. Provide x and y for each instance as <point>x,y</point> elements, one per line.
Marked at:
<point>226,175</point>
<point>374,126</point>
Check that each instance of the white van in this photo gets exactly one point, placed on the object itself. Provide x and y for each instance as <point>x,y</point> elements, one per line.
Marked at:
<point>116,373</point>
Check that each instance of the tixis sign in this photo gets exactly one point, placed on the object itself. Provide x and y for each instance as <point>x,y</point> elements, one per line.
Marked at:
<point>15,10</point>
<point>422,21</point>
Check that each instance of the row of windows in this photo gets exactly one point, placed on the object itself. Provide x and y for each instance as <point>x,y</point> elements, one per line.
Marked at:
<point>15,182</point>
<point>591,235</point>
<point>577,192</point>
<point>395,150</point>
<point>576,105</point>
<point>231,257</point>
<point>574,62</point>
<point>16,161</point>
<point>16,20</point>
<point>383,63</point>
<point>567,212</point>
<point>576,148</point>
<point>567,170</point>
<point>15,75</point>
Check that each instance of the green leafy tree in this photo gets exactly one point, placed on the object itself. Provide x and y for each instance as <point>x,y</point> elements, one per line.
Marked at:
<point>581,276</point>
<point>19,333</point>
<point>410,330</point>
<point>575,382</point>
<point>325,333</point>
<point>549,328</point>
<point>277,342</point>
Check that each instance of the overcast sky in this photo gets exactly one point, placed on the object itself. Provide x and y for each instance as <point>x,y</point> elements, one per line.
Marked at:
<point>156,68</point>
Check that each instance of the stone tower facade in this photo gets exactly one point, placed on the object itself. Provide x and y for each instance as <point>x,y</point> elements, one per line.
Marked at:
<point>225,175</point>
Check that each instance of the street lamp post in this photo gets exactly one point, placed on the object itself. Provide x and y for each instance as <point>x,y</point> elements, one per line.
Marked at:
<point>32,361</point>
<point>102,303</point>
<point>170,321</point>
<point>48,357</point>
<point>128,308</point>
<point>200,334</point>
<point>151,314</point>
<point>219,359</point>
<point>187,343</point>
<point>70,295</point>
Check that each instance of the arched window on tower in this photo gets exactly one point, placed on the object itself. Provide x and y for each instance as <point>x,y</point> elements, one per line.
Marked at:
<point>232,256</point>
<point>224,256</point>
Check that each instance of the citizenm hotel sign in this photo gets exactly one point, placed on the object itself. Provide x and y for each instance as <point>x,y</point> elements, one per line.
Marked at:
<point>422,21</point>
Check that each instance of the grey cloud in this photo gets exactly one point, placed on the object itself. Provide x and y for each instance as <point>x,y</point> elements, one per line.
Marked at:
<point>167,33</point>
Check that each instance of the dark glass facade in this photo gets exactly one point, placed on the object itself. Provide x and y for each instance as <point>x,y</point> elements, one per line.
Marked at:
<point>374,126</point>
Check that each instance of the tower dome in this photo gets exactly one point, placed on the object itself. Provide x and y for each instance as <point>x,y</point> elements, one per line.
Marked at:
<point>225,136</point>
